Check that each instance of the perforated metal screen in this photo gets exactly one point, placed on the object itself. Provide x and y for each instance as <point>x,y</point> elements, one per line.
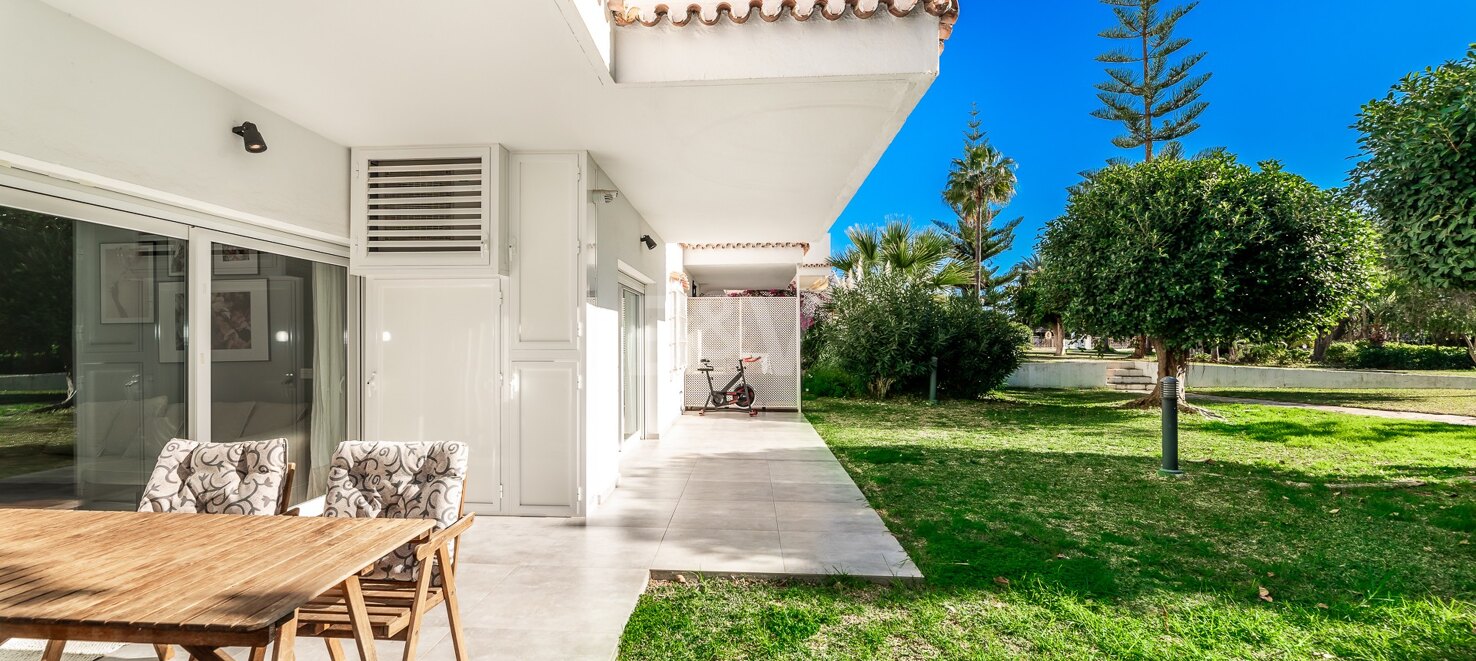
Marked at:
<point>723,330</point>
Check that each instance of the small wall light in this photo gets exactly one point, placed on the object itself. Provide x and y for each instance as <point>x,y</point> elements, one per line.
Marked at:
<point>254,142</point>
<point>650,242</point>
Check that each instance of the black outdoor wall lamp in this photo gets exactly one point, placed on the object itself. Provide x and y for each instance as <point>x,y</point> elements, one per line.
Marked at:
<point>650,242</point>
<point>254,142</point>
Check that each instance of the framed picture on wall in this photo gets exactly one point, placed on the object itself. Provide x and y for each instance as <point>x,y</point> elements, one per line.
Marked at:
<point>239,328</point>
<point>238,320</point>
<point>230,260</point>
<point>126,273</point>
<point>173,311</point>
<point>178,258</point>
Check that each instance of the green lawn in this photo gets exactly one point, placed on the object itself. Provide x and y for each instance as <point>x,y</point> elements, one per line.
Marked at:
<point>1455,402</point>
<point>31,442</point>
<point>1044,531</point>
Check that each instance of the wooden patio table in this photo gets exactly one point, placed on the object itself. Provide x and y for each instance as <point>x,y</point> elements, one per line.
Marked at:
<point>200,581</point>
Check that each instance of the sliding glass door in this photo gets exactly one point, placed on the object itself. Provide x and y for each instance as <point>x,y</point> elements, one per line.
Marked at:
<point>97,321</point>
<point>632,361</point>
<point>279,355</point>
<point>88,391</point>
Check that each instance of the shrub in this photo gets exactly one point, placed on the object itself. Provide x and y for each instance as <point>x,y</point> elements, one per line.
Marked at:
<point>1270,353</point>
<point>812,343</point>
<point>977,350</point>
<point>882,333</point>
<point>826,380</point>
<point>1340,354</point>
<point>882,330</point>
<point>1397,356</point>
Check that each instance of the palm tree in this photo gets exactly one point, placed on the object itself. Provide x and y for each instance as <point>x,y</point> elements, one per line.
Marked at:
<point>897,247</point>
<point>978,182</point>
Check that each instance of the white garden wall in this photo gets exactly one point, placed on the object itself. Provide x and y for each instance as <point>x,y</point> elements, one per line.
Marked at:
<point>1093,374</point>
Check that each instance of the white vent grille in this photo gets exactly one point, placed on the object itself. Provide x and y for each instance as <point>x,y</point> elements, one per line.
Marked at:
<point>424,207</point>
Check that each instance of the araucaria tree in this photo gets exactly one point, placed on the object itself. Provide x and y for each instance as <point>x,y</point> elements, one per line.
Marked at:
<point>980,182</point>
<point>1419,174</point>
<point>1150,89</point>
<point>1205,251</point>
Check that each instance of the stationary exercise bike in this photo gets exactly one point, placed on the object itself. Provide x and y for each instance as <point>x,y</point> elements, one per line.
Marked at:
<point>737,393</point>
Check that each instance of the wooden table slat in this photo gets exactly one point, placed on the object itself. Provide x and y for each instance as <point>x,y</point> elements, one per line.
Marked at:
<point>155,565</point>
<point>185,572</point>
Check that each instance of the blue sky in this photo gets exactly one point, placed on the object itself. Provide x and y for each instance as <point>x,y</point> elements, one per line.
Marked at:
<point>1289,76</point>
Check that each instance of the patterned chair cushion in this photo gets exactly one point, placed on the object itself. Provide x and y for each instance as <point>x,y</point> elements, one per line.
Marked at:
<point>423,480</point>
<point>217,478</point>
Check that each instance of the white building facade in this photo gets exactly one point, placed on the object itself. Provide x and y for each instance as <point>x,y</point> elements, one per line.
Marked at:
<point>468,222</point>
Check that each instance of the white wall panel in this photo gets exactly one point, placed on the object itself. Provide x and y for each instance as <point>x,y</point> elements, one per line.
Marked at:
<point>542,459</point>
<point>432,367</point>
<point>87,106</point>
<point>547,199</point>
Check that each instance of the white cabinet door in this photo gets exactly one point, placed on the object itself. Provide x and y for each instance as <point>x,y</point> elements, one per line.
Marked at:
<point>542,455</point>
<point>431,371</point>
<point>547,199</point>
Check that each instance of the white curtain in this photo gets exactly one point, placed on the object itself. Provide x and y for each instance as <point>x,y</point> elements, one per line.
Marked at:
<point>330,371</point>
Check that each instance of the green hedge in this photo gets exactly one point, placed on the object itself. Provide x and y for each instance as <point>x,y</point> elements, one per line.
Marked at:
<point>1397,356</point>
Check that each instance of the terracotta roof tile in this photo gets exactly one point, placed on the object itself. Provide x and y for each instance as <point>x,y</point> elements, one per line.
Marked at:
<point>744,246</point>
<point>623,15</point>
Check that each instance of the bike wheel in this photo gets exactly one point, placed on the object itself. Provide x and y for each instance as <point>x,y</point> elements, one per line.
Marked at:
<point>744,397</point>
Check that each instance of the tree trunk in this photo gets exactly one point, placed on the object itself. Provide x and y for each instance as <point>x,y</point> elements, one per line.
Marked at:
<point>1319,347</point>
<point>1470,341</point>
<point>1325,340</point>
<point>1140,347</point>
<point>1060,331</point>
<point>69,402</point>
<point>1171,362</point>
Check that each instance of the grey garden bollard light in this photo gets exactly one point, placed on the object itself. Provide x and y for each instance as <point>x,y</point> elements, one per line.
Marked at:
<point>933,381</point>
<point>1170,427</point>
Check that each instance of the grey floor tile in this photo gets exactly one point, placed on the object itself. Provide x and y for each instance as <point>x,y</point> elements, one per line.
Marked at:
<point>817,493</point>
<point>651,487</point>
<point>627,510</point>
<point>496,644</point>
<point>815,472</point>
<point>720,551</point>
<point>731,470</point>
<point>716,490</point>
<point>827,517</point>
<point>724,515</point>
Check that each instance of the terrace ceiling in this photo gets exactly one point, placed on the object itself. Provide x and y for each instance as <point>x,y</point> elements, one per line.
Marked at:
<point>706,153</point>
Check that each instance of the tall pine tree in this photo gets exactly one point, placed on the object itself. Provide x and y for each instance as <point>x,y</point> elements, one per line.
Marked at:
<point>1150,88</point>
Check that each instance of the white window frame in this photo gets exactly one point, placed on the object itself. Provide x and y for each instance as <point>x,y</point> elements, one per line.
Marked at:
<point>42,194</point>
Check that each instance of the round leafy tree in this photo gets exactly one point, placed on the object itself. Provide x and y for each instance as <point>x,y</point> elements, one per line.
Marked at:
<point>1419,176</point>
<point>1205,251</point>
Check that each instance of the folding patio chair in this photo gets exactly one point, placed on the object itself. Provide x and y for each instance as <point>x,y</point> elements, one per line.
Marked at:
<point>423,480</point>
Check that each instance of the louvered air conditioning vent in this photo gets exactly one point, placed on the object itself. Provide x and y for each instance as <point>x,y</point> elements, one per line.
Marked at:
<point>424,207</point>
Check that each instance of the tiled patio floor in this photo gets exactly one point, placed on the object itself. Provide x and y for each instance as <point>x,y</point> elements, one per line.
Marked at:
<point>723,494</point>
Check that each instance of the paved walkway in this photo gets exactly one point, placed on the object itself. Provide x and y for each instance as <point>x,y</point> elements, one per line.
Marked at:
<point>1351,410</point>
<point>721,494</point>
